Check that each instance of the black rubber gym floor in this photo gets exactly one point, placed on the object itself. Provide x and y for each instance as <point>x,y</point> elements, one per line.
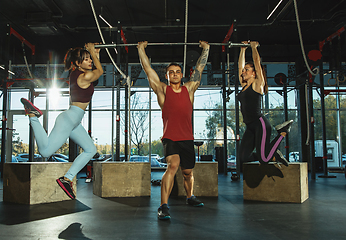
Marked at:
<point>322,216</point>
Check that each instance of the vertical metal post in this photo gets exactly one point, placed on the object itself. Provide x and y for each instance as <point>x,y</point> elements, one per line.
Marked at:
<point>265,105</point>
<point>117,144</point>
<point>224,111</point>
<point>324,132</point>
<point>31,131</point>
<point>126,122</point>
<point>73,148</point>
<point>302,110</point>
<point>312,130</point>
<point>323,115</point>
<point>90,118</point>
<point>339,129</point>
<point>45,116</point>
<point>129,124</point>
<point>113,98</point>
<point>236,105</point>
<point>9,121</point>
<point>4,123</point>
<point>4,102</point>
<point>126,134</point>
<point>287,150</point>
<point>185,38</point>
<point>150,124</point>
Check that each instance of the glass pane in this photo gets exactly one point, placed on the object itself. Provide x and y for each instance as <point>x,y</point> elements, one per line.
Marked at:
<point>292,99</point>
<point>201,120</point>
<point>14,99</point>
<point>276,101</point>
<point>102,99</point>
<point>102,131</point>
<point>231,101</point>
<point>154,103</point>
<point>294,135</point>
<point>156,126</point>
<point>139,132</point>
<point>157,148</point>
<point>330,102</point>
<point>139,98</point>
<point>20,136</point>
<point>331,125</point>
<point>207,98</point>
<point>343,132</point>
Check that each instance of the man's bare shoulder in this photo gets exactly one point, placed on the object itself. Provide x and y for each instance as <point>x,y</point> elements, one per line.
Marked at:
<point>161,88</point>
<point>191,86</point>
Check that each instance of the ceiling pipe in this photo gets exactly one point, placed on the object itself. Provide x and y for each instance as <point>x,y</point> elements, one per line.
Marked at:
<point>272,22</point>
<point>129,28</point>
<point>65,26</point>
<point>47,5</point>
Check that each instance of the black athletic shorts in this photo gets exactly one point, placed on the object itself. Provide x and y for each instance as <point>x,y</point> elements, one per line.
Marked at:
<point>185,150</point>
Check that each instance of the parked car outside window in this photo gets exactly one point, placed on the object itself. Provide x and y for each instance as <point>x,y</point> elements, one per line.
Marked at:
<point>154,163</point>
<point>24,157</point>
<point>231,162</point>
<point>58,157</point>
<point>293,157</point>
<point>14,159</point>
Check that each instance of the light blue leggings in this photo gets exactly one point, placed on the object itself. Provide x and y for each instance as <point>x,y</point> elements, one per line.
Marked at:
<point>67,125</point>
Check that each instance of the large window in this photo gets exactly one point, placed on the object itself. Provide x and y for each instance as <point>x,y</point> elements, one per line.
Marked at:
<point>146,118</point>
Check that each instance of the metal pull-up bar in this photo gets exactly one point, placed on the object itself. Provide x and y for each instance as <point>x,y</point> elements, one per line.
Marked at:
<point>230,44</point>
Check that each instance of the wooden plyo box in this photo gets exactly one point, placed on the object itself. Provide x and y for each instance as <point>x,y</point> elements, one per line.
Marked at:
<point>121,179</point>
<point>205,180</point>
<point>274,184</point>
<point>34,182</point>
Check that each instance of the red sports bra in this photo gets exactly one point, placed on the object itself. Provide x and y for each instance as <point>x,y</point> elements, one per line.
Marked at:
<point>78,94</point>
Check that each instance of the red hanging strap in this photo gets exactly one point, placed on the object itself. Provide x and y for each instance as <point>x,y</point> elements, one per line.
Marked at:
<point>228,36</point>
<point>124,40</point>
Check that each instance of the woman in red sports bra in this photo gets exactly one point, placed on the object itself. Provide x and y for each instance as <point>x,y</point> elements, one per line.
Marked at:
<point>68,123</point>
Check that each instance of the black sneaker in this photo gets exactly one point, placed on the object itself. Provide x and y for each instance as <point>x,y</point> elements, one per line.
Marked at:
<point>193,201</point>
<point>271,171</point>
<point>280,158</point>
<point>66,185</point>
<point>31,108</point>
<point>163,213</point>
<point>284,127</point>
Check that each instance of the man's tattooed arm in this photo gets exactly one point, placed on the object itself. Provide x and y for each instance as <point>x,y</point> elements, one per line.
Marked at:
<point>201,62</point>
<point>196,76</point>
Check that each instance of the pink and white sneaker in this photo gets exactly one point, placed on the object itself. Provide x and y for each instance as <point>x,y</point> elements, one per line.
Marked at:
<point>30,108</point>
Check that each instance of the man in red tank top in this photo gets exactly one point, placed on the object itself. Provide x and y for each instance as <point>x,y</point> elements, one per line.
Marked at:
<point>176,102</point>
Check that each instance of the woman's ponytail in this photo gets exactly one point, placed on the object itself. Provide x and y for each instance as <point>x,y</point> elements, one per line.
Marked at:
<point>67,60</point>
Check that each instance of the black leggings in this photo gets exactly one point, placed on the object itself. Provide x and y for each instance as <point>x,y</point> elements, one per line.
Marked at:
<point>257,135</point>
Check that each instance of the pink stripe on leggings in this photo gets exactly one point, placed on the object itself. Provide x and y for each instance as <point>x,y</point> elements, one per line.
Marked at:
<point>264,135</point>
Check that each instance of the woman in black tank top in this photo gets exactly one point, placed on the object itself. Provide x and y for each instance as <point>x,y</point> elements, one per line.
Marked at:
<point>258,129</point>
